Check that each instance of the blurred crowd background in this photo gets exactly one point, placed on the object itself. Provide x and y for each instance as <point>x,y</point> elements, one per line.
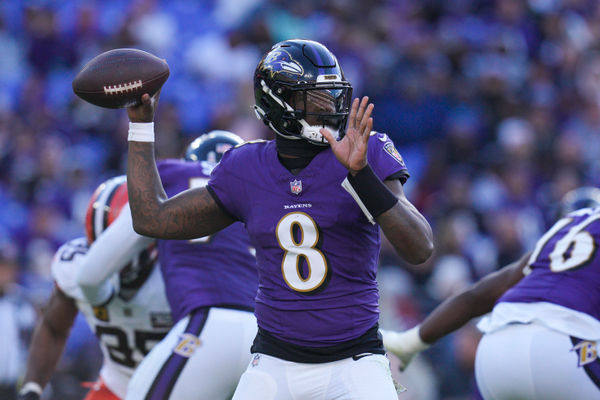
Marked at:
<point>494,105</point>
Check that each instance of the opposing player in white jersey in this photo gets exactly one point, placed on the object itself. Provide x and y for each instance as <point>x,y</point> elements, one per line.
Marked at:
<point>542,338</point>
<point>127,311</point>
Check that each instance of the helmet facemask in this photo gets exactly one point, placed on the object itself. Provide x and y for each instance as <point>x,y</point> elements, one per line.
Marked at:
<point>304,109</point>
<point>321,107</point>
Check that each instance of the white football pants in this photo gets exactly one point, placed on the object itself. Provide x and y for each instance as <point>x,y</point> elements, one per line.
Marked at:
<point>202,358</point>
<point>270,378</point>
<point>530,361</point>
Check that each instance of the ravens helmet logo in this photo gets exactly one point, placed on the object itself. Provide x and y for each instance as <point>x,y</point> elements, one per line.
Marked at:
<point>282,61</point>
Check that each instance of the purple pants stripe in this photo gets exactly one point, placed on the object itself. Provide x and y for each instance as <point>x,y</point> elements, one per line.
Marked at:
<point>169,373</point>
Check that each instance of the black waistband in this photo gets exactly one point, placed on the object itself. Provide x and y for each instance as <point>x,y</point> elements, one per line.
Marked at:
<point>369,342</point>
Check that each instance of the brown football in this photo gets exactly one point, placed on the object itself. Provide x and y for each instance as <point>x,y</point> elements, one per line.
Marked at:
<point>118,78</point>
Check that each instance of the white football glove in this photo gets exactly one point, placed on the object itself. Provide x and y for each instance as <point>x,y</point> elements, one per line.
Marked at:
<point>405,345</point>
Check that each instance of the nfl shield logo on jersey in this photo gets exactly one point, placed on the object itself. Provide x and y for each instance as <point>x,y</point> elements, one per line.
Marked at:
<point>296,186</point>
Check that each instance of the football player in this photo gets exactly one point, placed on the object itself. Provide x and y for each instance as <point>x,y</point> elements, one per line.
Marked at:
<point>211,283</point>
<point>541,340</point>
<point>313,201</point>
<point>127,311</point>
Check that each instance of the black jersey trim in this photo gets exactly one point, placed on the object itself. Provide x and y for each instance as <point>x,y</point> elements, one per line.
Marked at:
<point>369,343</point>
<point>295,162</point>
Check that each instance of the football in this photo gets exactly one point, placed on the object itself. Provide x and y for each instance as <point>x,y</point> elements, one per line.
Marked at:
<point>119,77</point>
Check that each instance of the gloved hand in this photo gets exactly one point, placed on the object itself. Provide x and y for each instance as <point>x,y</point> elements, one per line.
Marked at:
<point>405,345</point>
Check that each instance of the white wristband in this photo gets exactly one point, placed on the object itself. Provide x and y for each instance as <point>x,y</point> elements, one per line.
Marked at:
<point>141,132</point>
<point>413,340</point>
<point>31,387</point>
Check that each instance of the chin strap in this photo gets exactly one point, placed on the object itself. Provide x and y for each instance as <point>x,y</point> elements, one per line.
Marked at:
<point>313,133</point>
<point>309,132</point>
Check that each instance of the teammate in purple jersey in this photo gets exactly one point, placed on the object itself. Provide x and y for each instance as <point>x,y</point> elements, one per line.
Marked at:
<point>210,285</point>
<point>194,270</point>
<point>542,338</point>
<point>313,201</point>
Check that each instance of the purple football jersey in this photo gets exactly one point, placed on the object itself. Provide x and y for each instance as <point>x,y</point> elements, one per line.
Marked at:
<point>218,270</point>
<point>317,254</point>
<point>565,266</point>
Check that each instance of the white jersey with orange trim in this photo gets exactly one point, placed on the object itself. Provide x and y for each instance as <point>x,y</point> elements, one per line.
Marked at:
<point>127,329</point>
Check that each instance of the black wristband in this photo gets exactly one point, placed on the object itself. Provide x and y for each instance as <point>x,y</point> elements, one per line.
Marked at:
<point>376,197</point>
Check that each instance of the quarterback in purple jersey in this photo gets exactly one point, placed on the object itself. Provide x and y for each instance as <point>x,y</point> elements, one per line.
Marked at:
<point>313,202</point>
<point>542,338</point>
<point>210,283</point>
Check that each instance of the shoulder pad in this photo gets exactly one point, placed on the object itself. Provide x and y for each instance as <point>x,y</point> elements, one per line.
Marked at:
<point>65,263</point>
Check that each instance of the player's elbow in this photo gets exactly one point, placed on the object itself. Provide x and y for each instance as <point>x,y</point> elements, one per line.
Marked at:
<point>85,280</point>
<point>53,329</point>
<point>81,278</point>
<point>420,253</point>
<point>143,228</point>
<point>139,227</point>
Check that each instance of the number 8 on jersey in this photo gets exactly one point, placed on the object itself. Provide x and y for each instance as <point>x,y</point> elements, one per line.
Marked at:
<point>304,248</point>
